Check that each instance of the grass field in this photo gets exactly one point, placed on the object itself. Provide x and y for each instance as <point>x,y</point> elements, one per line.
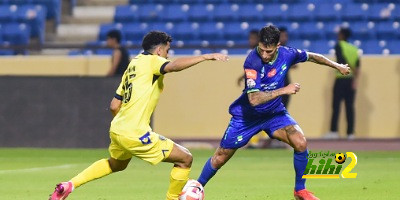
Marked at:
<point>251,174</point>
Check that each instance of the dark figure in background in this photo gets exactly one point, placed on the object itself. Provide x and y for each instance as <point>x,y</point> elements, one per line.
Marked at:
<point>345,86</point>
<point>120,56</point>
<point>284,38</point>
<point>253,38</point>
<point>253,42</point>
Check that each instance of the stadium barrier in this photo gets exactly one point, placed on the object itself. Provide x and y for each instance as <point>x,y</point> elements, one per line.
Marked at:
<point>55,111</point>
<point>59,101</point>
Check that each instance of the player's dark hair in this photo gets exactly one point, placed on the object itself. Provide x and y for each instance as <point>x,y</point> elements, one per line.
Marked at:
<point>346,32</point>
<point>154,38</point>
<point>269,35</point>
<point>282,29</point>
<point>253,32</point>
<point>115,34</point>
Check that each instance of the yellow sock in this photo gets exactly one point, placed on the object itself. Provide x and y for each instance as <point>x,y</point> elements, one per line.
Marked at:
<point>96,170</point>
<point>178,179</point>
<point>254,140</point>
<point>264,134</point>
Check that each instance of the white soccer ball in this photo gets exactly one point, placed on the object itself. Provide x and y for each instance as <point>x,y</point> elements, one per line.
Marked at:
<point>193,190</point>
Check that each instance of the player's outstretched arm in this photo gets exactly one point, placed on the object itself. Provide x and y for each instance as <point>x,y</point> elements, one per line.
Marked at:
<point>261,97</point>
<point>184,63</point>
<point>320,59</point>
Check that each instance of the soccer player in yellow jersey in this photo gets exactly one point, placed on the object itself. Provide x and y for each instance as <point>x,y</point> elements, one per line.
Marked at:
<point>132,106</point>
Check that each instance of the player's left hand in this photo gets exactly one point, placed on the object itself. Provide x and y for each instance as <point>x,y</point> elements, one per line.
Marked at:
<point>216,56</point>
<point>343,69</point>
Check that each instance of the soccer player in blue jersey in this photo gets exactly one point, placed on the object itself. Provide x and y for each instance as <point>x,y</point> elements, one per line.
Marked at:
<point>260,106</point>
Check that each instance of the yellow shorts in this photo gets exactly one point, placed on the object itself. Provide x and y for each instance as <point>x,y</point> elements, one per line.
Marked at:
<point>150,147</point>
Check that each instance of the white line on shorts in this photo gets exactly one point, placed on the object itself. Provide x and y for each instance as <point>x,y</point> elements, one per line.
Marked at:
<point>35,169</point>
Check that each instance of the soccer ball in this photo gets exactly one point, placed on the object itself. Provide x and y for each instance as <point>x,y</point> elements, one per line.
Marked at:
<point>340,158</point>
<point>193,190</point>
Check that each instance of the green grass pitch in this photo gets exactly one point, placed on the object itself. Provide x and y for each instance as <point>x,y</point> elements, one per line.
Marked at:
<point>250,174</point>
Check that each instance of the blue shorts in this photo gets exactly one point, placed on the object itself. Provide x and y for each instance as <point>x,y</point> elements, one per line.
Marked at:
<point>240,131</point>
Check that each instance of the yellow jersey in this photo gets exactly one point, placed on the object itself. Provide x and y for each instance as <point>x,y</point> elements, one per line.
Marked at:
<point>139,91</point>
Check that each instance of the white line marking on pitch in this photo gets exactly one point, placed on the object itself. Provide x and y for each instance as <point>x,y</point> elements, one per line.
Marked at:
<point>35,169</point>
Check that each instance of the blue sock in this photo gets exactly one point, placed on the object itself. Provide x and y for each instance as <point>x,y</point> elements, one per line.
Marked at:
<point>207,173</point>
<point>300,162</point>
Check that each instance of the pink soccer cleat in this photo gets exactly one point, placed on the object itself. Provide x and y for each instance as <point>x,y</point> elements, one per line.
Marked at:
<point>304,195</point>
<point>62,191</point>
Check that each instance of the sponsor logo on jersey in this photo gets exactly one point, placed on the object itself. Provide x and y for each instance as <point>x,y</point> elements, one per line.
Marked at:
<point>271,73</point>
<point>271,86</point>
<point>251,73</point>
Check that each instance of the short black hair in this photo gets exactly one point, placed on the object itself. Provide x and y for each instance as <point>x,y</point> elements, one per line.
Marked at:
<point>115,34</point>
<point>253,32</point>
<point>346,32</point>
<point>154,38</point>
<point>269,35</point>
<point>282,29</point>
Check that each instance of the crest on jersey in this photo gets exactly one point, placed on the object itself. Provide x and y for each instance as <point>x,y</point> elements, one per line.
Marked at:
<point>284,67</point>
<point>250,83</point>
<point>271,73</point>
<point>162,138</point>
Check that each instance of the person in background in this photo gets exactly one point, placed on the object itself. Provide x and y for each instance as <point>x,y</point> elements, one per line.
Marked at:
<point>345,86</point>
<point>120,56</point>
<point>253,42</point>
<point>284,38</point>
<point>253,38</point>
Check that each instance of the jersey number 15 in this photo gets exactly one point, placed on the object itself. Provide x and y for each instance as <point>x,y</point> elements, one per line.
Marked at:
<point>128,85</point>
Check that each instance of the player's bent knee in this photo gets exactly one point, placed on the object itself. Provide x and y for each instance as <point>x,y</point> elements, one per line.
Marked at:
<point>218,161</point>
<point>188,160</point>
<point>117,166</point>
<point>185,161</point>
<point>300,146</point>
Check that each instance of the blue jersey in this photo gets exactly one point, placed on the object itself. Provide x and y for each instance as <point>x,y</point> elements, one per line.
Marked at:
<point>261,76</point>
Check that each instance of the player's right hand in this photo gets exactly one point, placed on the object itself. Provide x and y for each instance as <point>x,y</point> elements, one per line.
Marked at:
<point>292,88</point>
<point>216,56</point>
<point>344,69</point>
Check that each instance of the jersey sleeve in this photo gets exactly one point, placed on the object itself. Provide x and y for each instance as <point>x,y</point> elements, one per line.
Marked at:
<point>159,64</point>
<point>298,55</point>
<point>252,77</point>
